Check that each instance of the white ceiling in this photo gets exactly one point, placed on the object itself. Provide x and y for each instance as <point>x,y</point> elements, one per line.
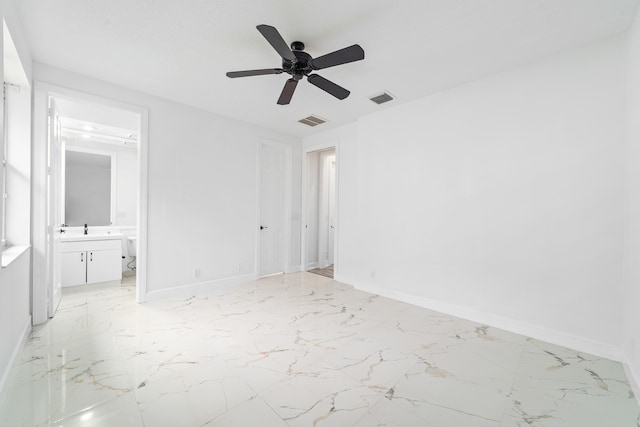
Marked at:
<point>181,49</point>
<point>84,122</point>
<point>92,113</point>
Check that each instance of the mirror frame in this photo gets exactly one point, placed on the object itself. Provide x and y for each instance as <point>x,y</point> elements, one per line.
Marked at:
<point>114,180</point>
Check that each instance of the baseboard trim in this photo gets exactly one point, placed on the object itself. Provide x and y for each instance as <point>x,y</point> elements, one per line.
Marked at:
<point>293,269</point>
<point>311,265</point>
<point>195,288</point>
<point>14,354</point>
<point>345,279</point>
<point>542,333</point>
<point>634,379</point>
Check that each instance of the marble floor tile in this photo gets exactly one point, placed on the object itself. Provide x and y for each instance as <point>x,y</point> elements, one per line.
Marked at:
<point>410,413</point>
<point>556,386</point>
<point>254,412</point>
<point>297,350</point>
<point>320,398</point>
<point>121,411</point>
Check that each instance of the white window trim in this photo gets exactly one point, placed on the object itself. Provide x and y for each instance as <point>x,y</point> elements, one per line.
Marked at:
<point>5,152</point>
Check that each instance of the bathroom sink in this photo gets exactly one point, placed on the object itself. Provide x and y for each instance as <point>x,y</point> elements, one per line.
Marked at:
<point>96,236</point>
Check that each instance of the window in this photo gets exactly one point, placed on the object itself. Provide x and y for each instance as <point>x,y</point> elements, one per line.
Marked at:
<point>15,151</point>
<point>15,187</point>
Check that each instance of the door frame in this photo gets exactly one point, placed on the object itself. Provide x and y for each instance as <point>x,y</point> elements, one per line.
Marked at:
<point>335,144</point>
<point>40,280</point>
<point>286,211</point>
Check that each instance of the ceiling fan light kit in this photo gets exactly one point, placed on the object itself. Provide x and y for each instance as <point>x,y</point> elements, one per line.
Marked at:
<point>298,64</point>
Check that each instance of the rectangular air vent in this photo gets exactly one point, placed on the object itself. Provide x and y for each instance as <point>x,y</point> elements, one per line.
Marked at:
<point>382,98</point>
<point>312,121</point>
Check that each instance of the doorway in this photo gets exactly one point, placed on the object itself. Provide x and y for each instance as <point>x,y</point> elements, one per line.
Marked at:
<point>92,155</point>
<point>319,232</point>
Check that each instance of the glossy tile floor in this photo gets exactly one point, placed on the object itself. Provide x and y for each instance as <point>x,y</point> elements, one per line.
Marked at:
<point>297,350</point>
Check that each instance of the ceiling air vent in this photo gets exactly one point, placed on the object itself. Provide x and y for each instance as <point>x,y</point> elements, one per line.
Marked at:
<point>382,98</point>
<point>312,121</point>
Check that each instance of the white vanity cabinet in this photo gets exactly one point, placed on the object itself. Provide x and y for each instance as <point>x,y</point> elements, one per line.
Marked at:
<point>87,261</point>
<point>74,267</point>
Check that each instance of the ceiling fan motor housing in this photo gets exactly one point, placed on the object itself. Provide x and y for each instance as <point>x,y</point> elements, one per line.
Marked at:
<point>297,46</point>
<point>301,66</point>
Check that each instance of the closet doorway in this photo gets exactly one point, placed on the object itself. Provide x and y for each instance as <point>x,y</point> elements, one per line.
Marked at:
<point>320,225</point>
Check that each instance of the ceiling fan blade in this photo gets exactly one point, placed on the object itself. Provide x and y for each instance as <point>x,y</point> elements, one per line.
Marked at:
<point>276,41</point>
<point>248,73</point>
<point>287,92</point>
<point>342,56</point>
<point>328,86</point>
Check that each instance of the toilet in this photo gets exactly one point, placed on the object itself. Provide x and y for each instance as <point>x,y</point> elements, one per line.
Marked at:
<point>131,245</point>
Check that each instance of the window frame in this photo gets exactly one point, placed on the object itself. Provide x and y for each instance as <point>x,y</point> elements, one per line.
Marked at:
<point>4,147</point>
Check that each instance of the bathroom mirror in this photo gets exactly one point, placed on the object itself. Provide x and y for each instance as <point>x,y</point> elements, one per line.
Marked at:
<point>88,188</point>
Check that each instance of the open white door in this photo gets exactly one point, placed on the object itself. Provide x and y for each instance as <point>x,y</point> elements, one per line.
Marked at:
<point>272,173</point>
<point>54,197</point>
<point>332,208</point>
<point>326,206</point>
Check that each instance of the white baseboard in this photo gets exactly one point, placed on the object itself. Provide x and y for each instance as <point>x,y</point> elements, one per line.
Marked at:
<point>311,265</point>
<point>345,279</point>
<point>293,269</point>
<point>634,379</point>
<point>539,332</point>
<point>19,345</point>
<point>194,288</point>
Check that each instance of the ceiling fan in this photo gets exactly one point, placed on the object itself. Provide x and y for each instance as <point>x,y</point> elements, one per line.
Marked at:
<point>298,64</point>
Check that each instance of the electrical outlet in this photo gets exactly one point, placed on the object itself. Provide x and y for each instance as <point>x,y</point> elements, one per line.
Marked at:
<point>237,267</point>
<point>373,274</point>
<point>196,273</point>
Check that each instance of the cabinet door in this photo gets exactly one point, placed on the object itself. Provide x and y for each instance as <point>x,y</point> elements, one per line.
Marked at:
<point>74,268</point>
<point>104,266</point>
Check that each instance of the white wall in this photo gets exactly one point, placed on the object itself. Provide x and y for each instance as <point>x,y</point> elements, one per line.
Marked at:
<point>15,321</point>
<point>499,200</point>
<point>127,186</point>
<point>202,199</point>
<point>632,208</point>
<point>15,279</point>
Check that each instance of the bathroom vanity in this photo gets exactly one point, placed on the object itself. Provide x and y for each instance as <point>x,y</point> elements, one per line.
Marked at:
<point>91,258</point>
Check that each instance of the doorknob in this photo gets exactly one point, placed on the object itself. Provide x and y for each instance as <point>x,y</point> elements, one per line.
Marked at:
<point>263,227</point>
